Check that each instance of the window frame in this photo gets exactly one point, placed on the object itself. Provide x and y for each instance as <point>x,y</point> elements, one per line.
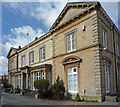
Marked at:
<point>38,76</point>
<point>107,76</point>
<point>12,65</point>
<point>22,65</point>
<point>70,35</point>
<point>105,41</point>
<point>32,52</point>
<point>72,74</point>
<point>33,79</point>
<point>118,49</point>
<point>41,54</point>
<point>42,72</point>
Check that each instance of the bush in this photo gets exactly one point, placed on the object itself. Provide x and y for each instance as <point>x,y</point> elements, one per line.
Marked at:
<point>17,90</point>
<point>42,86</point>
<point>7,87</point>
<point>77,98</point>
<point>58,89</point>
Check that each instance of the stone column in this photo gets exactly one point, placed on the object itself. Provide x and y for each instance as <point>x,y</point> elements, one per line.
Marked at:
<point>21,81</point>
<point>26,80</point>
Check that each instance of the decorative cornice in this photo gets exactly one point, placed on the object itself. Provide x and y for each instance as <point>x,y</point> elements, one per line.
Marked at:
<point>71,59</point>
<point>73,5</point>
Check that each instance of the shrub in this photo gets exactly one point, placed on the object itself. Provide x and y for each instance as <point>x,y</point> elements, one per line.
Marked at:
<point>42,86</point>
<point>17,90</point>
<point>7,87</point>
<point>77,98</point>
<point>58,89</point>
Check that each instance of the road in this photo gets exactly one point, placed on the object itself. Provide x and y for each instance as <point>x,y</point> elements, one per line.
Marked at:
<point>17,100</point>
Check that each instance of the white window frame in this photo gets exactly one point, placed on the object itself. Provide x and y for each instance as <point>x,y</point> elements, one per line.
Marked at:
<point>33,77</point>
<point>118,49</point>
<point>42,74</point>
<point>37,75</point>
<point>12,65</point>
<point>107,78</point>
<point>31,58</point>
<point>42,54</point>
<point>12,80</point>
<point>72,74</point>
<point>70,41</point>
<point>105,44</point>
<point>23,60</point>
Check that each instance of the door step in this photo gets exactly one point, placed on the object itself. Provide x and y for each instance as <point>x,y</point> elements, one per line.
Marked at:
<point>111,98</point>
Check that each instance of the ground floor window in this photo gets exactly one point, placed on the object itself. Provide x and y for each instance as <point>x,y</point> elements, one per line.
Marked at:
<point>17,81</point>
<point>107,78</point>
<point>33,79</point>
<point>12,80</point>
<point>72,80</point>
<point>37,75</point>
<point>42,74</point>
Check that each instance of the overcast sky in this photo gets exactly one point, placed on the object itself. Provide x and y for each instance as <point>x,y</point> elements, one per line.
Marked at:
<point>18,18</point>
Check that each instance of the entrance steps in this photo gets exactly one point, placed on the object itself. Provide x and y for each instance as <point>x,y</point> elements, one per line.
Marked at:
<point>112,98</point>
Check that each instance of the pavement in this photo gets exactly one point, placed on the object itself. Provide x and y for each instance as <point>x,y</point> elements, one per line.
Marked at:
<point>17,100</point>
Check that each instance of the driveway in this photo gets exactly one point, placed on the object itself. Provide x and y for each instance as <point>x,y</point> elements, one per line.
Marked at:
<point>17,100</point>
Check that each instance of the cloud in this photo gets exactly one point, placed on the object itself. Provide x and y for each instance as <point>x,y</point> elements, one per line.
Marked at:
<point>18,37</point>
<point>3,65</point>
<point>48,12</point>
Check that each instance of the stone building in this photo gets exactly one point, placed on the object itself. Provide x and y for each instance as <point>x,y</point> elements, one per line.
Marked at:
<point>82,47</point>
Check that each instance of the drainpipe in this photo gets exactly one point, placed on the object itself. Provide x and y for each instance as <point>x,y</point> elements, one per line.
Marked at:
<point>115,59</point>
<point>17,61</point>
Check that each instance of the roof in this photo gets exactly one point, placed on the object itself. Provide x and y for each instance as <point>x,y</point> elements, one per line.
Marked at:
<point>75,10</point>
<point>15,51</point>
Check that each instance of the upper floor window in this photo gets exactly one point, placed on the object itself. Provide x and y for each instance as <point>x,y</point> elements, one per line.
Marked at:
<point>71,42</point>
<point>118,49</point>
<point>42,54</point>
<point>23,60</point>
<point>104,38</point>
<point>31,58</point>
<point>11,65</point>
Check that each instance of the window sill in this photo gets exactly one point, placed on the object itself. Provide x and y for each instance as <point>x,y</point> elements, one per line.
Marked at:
<point>73,92</point>
<point>42,60</point>
<point>71,51</point>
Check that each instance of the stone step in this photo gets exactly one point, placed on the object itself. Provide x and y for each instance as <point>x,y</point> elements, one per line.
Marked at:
<point>111,98</point>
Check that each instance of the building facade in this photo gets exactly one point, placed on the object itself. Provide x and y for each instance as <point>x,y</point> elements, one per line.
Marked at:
<point>82,47</point>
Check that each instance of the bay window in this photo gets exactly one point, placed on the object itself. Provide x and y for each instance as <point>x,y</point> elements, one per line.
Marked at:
<point>37,75</point>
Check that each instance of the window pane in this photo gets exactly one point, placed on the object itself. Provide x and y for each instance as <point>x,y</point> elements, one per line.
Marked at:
<point>72,79</point>
<point>71,42</point>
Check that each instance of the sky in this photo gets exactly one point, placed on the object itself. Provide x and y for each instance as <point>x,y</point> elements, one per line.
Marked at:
<point>18,18</point>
